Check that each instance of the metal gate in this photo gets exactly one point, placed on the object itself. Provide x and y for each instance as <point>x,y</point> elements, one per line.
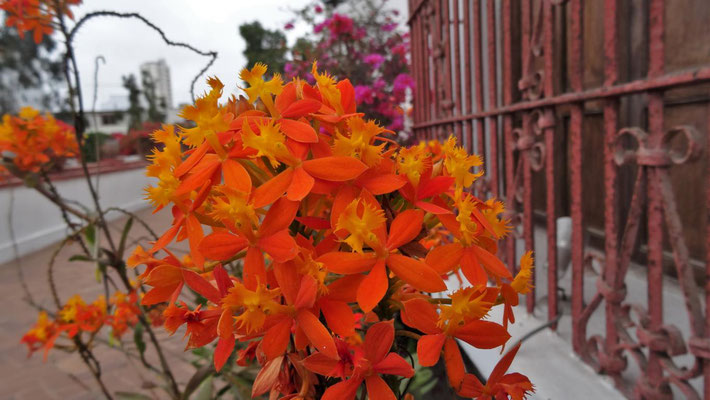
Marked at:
<point>489,71</point>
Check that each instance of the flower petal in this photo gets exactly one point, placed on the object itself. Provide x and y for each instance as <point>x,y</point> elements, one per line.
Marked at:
<point>298,131</point>
<point>394,364</point>
<point>416,273</point>
<point>267,377</point>
<point>492,263</point>
<point>378,389</point>
<point>197,178</point>
<point>275,339</point>
<point>454,363</point>
<point>272,189</point>
<point>301,108</point>
<point>200,285</point>
<point>378,341</point>
<point>279,217</point>
<point>236,176</point>
<point>320,364</point>
<point>420,314</point>
<point>429,349</point>
<point>483,334</point>
<point>405,227</point>
<point>307,293</point>
<point>222,246</point>
<point>280,246</point>
<point>254,268</point>
<point>343,390</point>
<point>338,315</point>
<point>348,263</point>
<point>300,186</point>
<point>472,269</point>
<point>382,184</point>
<point>373,287</point>
<point>317,334</point>
<point>335,168</point>
<point>445,258</point>
<point>223,351</point>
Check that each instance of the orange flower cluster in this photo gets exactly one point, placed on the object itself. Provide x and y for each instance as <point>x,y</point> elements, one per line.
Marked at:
<point>76,316</point>
<point>30,140</point>
<point>35,15</point>
<point>317,239</point>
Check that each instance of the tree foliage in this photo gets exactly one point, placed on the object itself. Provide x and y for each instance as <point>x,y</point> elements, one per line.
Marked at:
<point>135,109</point>
<point>264,45</point>
<point>25,64</point>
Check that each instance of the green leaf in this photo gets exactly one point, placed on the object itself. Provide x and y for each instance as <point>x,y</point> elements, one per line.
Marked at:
<point>124,236</point>
<point>138,338</point>
<point>131,396</point>
<point>90,234</point>
<point>80,257</point>
<point>200,375</point>
<point>206,390</point>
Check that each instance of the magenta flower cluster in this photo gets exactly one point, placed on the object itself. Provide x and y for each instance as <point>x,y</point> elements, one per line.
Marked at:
<point>371,50</point>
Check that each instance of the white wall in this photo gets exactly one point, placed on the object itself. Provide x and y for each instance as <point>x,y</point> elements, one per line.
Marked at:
<point>37,223</point>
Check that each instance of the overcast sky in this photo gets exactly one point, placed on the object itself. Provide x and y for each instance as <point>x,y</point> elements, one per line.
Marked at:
<point>204,24</point>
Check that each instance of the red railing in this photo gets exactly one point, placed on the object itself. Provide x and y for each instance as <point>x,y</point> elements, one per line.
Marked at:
<point>463,48</point>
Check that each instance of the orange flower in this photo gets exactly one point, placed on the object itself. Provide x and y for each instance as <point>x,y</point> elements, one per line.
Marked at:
<point>460,320</point>
<point>475,249</point>
<point>33,141</point>
<point>322,218</point>
<point>365,225</point>
<point>499,384</point>
<point>376,359</point>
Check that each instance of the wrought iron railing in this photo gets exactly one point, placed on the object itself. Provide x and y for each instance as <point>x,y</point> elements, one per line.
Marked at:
<point>488,71</point>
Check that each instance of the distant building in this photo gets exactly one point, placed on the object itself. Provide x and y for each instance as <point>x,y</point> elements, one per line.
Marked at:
<point>160,73</point>
<point>108,121</point>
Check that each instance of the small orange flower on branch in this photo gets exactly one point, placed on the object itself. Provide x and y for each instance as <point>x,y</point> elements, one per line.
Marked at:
<point>31,141</point>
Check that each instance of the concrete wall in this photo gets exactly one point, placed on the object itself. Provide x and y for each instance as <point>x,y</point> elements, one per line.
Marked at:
<point>37,223</point>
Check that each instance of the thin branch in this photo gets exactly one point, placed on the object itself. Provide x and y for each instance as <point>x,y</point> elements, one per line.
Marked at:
<point>211,54</point>
<point>135,218</point>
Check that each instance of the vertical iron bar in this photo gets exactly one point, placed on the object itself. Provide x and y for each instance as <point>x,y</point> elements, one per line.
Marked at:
<point>508,126</point>
<point>478,84</point>
<point>469,88</point>
<point>447,75</point>
<point>436,66</point>
<point>654,373</point>
<point>428,37</point>
<point>548,26</point>
<point>528,233</point>
<point>424,71</point>
<point>413,48</point>
<point>458,126</point>
<point>575,77</point>
<point>611,218</point>
<point>492,95</point>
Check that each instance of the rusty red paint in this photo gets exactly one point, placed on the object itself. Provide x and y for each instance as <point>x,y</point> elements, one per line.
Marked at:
<point>478,69</point>
<point>575,167</point>
<point>542,111</point>
<point>458,86</point>
<point>508,128</point>
<point>550,188</point>
<point>654,372</point>
<point>492,97</point>
<point>468,132</point>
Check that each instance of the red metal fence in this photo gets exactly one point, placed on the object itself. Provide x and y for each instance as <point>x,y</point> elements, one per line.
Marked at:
<point>486,71</point>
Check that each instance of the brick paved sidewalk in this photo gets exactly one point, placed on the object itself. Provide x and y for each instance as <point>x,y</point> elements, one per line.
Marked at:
<point>64,376</point>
